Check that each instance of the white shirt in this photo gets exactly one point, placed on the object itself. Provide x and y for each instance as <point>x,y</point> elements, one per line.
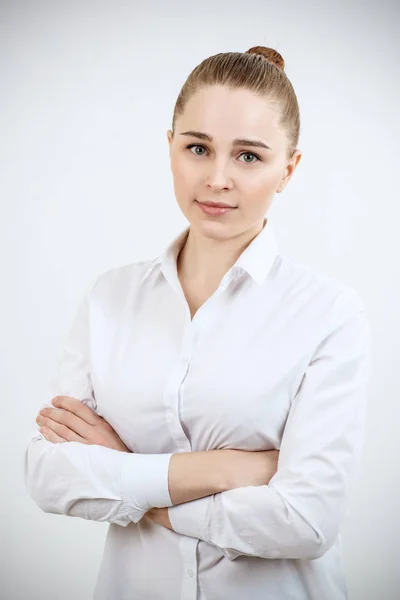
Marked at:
<point>277,358</point>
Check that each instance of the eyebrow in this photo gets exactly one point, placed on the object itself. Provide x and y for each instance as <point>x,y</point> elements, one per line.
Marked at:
<point>236,142</point>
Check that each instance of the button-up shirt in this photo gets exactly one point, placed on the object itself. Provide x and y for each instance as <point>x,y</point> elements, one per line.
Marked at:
<point>277,358</point>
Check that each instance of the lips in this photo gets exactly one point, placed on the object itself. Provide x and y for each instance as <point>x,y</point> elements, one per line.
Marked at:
<point>215,211</point>
<point>216,204</point>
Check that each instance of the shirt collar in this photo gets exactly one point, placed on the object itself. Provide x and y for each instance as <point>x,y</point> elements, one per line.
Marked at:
<point>256,260</point>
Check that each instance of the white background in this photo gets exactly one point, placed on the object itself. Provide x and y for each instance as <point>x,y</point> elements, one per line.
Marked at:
<point>87,92</point>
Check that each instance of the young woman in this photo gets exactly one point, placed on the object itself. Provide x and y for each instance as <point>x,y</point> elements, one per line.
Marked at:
<point>210,403</point>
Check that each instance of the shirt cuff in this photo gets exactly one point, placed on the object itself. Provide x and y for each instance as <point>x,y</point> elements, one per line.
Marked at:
<point>192,518</point>
<point>144,482</point>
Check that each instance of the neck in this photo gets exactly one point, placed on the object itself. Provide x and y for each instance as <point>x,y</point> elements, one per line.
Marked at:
<point>205,260</point>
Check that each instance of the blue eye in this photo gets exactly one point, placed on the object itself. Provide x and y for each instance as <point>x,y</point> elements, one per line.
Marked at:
<point>241,154</point>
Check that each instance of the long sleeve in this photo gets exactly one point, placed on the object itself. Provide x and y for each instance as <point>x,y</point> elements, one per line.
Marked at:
<point>299,513</point>
<point>90,481</point>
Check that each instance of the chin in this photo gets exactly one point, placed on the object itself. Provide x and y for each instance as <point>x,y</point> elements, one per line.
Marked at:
<point>213,229</point>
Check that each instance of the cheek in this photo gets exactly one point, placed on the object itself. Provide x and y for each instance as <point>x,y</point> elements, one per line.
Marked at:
<point>265,184</point>
<point>183,188</point>
<point>182,174</point>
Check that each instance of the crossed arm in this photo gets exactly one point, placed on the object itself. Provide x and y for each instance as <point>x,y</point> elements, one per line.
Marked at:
<point>191,475</point>
<point>296,513</point>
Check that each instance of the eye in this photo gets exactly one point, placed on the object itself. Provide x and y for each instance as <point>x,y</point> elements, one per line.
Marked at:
<point>251,154</point>
<point>194,146</point>
<point>241,154</point>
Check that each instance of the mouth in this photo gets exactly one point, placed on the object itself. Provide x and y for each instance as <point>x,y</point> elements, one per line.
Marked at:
<point>215,209</point>
<point>216,204</point>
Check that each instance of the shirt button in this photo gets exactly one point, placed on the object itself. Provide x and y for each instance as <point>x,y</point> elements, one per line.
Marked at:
<point>190,572</point>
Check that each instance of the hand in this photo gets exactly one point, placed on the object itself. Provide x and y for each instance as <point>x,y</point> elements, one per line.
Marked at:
<point>74,421</point>
<point>160,516</point>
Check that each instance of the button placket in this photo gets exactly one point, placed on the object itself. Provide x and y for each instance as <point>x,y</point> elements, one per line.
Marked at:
<point>173,393</point>
<point>188,550</point>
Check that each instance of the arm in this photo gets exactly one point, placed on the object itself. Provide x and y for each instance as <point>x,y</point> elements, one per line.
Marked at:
<point>190,476</point>
<point>95,482</point>
<point>100,483</point>
<point>299,513</point>
<point>193,475</point>
<point>90,481</point>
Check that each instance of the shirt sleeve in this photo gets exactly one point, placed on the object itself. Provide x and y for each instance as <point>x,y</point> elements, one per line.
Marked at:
<point>299,513</point>
<point>90,481</point>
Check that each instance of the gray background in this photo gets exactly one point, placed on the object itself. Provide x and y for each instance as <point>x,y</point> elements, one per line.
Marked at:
<point>87,92</point>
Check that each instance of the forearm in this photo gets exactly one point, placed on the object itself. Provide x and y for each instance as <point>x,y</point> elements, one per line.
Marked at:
<point>256,521</point>
<point>201,475</point>
<point>194,475</point>
<point>95,482</point>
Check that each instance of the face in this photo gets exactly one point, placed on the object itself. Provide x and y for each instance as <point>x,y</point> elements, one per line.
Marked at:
<point>240,175</point>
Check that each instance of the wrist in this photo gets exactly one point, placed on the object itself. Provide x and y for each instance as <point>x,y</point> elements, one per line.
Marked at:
<point>160,516</point>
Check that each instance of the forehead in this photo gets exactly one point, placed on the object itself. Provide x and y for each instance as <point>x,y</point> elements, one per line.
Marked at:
<point>220,111</point>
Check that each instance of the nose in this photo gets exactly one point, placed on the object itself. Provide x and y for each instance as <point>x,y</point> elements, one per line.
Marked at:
<point>218,177</point>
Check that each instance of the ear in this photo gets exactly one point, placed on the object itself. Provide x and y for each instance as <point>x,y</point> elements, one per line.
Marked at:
<point>290,169</point>
<point>170,138</point>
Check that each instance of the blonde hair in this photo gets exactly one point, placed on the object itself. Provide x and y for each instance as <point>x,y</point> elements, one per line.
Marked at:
<point>259,70</point>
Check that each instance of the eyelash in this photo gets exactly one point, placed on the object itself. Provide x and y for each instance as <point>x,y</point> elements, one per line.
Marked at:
<point>244,152</point>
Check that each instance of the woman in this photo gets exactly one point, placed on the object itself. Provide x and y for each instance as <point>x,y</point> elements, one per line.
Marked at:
<point>213,399</point>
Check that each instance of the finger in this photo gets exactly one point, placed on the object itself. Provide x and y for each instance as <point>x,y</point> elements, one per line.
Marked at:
<point>66,419</point>
<point>61,431</point>
<point>77,407</point>
<point>51,436</point>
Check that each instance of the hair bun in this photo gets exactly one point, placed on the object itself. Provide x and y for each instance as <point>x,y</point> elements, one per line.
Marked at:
<point>270,54</point>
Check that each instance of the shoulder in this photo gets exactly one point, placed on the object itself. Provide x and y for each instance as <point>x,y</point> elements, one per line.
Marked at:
<point>319,288</point>
<point>328,306</point>
<point>115,286</point>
